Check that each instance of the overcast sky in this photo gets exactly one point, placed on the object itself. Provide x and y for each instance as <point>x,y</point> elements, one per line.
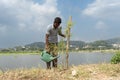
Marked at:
<point>25,21</point>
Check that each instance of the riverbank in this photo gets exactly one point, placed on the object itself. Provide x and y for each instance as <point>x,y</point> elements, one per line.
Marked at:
<point>81,72</point>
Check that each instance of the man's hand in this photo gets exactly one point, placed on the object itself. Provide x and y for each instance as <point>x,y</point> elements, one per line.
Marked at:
<point>64,36</point>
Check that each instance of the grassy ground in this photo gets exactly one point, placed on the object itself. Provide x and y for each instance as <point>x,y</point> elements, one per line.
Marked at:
<point>81,72</point>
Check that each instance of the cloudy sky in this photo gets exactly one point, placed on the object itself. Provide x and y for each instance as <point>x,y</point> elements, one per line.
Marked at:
<point>25,21</point>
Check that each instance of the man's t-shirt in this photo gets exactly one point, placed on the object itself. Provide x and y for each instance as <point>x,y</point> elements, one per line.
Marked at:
<point>53,33</point>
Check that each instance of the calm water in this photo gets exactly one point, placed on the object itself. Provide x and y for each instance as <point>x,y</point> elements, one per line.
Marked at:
<point>28,61</point>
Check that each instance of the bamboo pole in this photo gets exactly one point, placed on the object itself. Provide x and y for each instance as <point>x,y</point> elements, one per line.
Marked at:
<point>68,30</point>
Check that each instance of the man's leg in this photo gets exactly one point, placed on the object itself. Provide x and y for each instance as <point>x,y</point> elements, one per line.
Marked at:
<point>48,65</point>
<point>55,62</point>
<point>53,50</point>
<point>49,51</point>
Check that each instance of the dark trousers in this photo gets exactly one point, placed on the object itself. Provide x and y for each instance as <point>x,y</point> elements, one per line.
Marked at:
<point>52,49</point>
<point>54,64</point>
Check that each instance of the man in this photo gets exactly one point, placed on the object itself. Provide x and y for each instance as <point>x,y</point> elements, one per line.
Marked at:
<point>52,33</point>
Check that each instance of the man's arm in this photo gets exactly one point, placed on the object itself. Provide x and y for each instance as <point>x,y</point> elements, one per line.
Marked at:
<point>46,40</point>
<point>61,34</point>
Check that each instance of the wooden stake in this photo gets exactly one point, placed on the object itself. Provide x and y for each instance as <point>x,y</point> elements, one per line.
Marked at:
<point>69,25</point>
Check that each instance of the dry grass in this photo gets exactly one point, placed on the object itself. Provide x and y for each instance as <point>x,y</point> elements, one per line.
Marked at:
<point>81,72</point>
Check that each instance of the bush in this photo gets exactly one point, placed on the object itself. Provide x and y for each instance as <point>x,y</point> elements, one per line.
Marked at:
<point>116,58</point>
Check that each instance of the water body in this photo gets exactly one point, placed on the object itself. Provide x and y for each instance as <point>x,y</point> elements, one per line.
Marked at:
<point>8,62</point>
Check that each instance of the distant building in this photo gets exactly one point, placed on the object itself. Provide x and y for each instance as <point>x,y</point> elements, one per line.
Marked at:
<point>87,46</point>
<point>116,45</point>
<point>77,48</point>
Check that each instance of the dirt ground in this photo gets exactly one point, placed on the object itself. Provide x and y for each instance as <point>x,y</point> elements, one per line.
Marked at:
<point>81,72</point>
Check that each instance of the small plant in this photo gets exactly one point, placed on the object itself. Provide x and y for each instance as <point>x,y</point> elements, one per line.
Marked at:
<point>116,58</point>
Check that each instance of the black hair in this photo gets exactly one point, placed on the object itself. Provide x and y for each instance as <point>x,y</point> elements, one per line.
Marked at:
<point>57,20</point>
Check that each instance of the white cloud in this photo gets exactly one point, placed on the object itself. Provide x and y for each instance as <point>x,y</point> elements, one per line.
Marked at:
<point>33,15</point>
<point>25,21</point>
<point>100,25</point>
<point>104,9</point>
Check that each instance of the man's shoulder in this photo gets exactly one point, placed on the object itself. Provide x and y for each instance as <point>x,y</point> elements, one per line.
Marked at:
<point>50,26</point>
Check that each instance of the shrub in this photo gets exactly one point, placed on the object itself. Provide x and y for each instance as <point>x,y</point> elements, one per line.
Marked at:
<point>116,58</point>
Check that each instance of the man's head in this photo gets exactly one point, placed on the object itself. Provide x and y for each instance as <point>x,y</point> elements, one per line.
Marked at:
<point>57,22</point>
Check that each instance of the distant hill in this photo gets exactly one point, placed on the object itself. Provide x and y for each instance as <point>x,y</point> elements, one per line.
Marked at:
<point>113,41</point>
<point>36,45</point>
<point>77,43</point>
<point>108,44</point>
<point>80,44</point>
<point>42,44</point>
